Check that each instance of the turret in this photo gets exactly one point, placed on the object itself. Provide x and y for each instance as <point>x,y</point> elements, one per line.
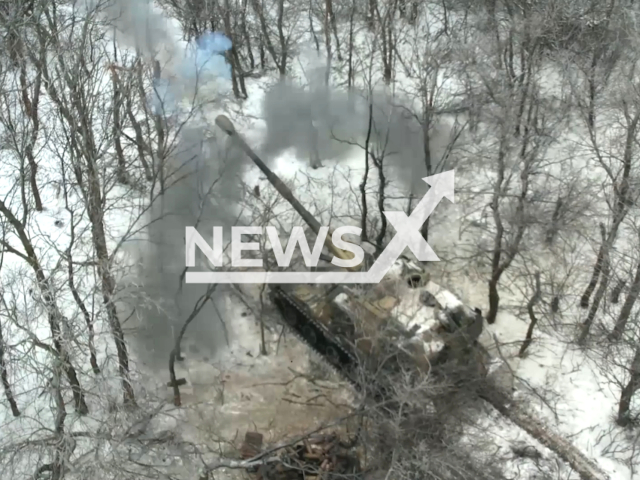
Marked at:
<point>226,126</point>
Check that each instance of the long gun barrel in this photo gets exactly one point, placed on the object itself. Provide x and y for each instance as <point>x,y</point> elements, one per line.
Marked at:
<point>226,126</point>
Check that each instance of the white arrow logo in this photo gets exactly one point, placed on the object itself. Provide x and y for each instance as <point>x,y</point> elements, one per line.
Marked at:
<point>407,236</point>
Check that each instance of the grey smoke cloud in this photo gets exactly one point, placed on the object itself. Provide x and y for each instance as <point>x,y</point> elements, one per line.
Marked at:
<point>208,187</point>
<point>289,110</point>
<point>204,196</point>
<point>139,26</point>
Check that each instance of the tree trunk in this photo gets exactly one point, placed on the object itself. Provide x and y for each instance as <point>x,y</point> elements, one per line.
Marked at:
<point>59,458</point>
<point>311,29</point>
<point>327,40</point>
<point>524,86</point>
<point>591,81</point>
<point>555,304</point>
<point>627,307</point>
<point>552,231</point>
<point>446,17</point>
<point>314,152</point>
<point>414,12</point>
<point>159,166</point>
<point>363,185</point>
<point>602,289</point>
<point>237,79</point>
<point>331,21</point>
<point>8,392</point>
<point>371,20</point>
<point>117,129</point>
<point>234,76</point>
<point>382,185</point>
<point>586,296</point>
<point>387,52</point>
<point>350,53</point>
<point>496,255</point>
<point>426,146</point>
<point>263,342</point>
<point>617,290</point>
<point>247,37</point>
<point>626,395</point>
<point>284,54</point>
<point>532,317</point>
<point>494,299</point>
<point>31,110</point>
<point>177,399</point>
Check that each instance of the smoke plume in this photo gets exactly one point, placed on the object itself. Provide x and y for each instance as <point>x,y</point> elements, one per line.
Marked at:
<point>318,122</point>
<point>200,199</point>
<point>208,174</point>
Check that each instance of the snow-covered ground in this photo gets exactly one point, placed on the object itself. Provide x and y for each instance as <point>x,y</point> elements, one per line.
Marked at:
<point>236,389</point>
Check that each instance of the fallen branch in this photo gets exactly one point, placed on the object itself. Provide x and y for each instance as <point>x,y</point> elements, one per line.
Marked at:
<point>268,456</point>
<point>175,352</point>
<point>580,463</point>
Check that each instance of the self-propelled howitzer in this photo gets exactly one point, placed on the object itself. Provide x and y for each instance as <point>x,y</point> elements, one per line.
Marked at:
<point>400,320</point>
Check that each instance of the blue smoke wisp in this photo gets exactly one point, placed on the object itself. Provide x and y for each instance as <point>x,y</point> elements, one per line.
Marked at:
<point>209,56</point>
<point>205,62</point>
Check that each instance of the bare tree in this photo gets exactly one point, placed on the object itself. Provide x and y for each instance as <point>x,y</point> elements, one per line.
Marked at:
<point>237,74</point>
<point>4,374</point>
<point>617,166</point>
<point>427,69</point>
<point>507,241</point>
<point>23,130</point>
<point>71,274</point>
<point>626,395</point>
<point>376,150</point>
<point>525,123</point>
<point>627,307</point>
<point>60,349</point>
<point>386,35</point>
<point>72,91</point>
<point>281,54</point>
<point>595,275</point>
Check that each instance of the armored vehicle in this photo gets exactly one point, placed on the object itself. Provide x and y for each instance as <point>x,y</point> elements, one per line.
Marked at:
<point>397,327</point>
<point>405,324</point>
